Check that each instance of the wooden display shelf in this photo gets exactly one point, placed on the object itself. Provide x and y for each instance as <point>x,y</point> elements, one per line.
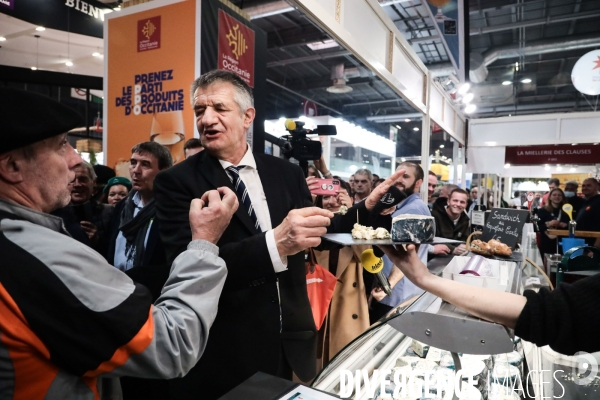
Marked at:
<point>578,234</point>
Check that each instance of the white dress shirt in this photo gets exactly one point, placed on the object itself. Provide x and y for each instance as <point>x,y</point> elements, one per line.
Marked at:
<point>251,179</point>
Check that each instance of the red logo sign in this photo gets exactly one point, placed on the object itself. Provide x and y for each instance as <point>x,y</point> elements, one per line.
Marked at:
<point>559,154</point>
<point>148,34</point>
<point>236,47</point>
<point>310,108</point>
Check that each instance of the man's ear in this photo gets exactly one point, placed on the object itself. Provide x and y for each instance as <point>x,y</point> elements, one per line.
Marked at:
<point>249,115</point>
<point>11,167</point>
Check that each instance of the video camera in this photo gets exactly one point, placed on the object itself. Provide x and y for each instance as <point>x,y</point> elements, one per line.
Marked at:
<point>298,146</point>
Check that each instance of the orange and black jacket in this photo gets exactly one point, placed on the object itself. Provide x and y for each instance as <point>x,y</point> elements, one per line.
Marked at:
<point>67,317</point>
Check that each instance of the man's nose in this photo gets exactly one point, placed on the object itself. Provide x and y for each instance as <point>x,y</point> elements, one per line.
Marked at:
<point>73,158</point>
<point>209,117</point>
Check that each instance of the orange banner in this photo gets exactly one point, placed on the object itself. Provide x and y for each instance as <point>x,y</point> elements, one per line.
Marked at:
<point>150,67</point>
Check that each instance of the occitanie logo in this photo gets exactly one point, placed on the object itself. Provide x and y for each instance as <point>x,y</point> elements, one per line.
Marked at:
<point>148,29</point>
<point>237,42</point>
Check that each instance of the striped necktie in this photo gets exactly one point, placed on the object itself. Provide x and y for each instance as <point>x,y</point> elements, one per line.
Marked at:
<point>242,192</point>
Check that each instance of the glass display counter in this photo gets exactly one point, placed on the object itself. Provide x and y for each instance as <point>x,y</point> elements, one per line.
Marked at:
<point>431,335</point>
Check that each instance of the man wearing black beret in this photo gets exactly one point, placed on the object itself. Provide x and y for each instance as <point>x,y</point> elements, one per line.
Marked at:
<point>68,317</point>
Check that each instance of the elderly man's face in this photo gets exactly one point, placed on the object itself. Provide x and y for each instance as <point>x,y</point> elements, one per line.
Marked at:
<point>474,193</point>
<point>46,177</point>
<point>82,186</point>
<point>362,184</point>
<point>221,124</point>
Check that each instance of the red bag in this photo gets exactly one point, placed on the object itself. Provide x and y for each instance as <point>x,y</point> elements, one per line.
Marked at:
<point>320,285</point>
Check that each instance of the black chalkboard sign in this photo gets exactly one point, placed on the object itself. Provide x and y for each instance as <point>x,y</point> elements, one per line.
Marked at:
<point>504,224</point>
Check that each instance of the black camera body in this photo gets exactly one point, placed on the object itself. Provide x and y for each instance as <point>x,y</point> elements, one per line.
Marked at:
<point>298,146</point>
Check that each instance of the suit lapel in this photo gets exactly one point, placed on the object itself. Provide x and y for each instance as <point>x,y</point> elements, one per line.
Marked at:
<point>273,187</point>
<point>210,168</point>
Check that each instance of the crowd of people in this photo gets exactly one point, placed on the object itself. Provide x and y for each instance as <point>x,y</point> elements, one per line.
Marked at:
<point>187,279</point>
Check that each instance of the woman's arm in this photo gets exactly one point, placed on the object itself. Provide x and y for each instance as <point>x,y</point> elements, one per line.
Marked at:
<point>491,305</point>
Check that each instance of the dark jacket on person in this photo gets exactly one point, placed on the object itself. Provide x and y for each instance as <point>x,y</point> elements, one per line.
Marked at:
<point>548,245</point>
<point>265,320</point>
<point>565,318</point>
<point>98,214</point>
<point>440,205</point>
<point>154,269</point>
<point>588,218</point>
<point>577,203</point>
<point>72,226</point>
<point>444,226</point>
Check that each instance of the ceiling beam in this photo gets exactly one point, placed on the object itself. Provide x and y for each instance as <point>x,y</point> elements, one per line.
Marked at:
<point>296,36</point>
<point>534,22</point>
<point>319,83</point>
<point>314,57</point>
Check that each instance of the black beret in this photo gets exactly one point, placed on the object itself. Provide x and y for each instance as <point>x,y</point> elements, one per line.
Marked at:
<point>27,118</point>
<point>103,174</point>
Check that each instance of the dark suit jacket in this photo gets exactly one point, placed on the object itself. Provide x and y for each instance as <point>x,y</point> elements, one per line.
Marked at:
<point>154,270</point>
<point>247,335</point>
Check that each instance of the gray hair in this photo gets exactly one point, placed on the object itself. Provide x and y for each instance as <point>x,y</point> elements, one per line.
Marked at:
<point>242,92</point>
<point>364,171</point>
<point>90,169</point>
<point>162,154</point>
<point>572,183</point>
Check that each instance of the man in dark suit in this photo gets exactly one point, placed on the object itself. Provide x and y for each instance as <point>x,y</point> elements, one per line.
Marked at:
<point>264,321</point>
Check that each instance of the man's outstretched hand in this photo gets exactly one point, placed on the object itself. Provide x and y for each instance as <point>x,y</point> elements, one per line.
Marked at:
<point>381,189</point>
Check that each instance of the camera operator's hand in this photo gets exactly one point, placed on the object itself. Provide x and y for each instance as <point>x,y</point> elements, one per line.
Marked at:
<point>301,229</point>
<point>210,215</point>
<point>382,188</point>
<point>312,183</point>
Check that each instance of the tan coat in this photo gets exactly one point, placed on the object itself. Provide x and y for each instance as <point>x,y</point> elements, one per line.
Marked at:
<point>348,315</point>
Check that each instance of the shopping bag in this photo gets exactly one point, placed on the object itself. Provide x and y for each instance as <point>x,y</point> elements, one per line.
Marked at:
<point>320,285</point>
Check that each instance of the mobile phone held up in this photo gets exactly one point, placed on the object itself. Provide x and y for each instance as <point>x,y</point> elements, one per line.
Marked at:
<point>327,187</point>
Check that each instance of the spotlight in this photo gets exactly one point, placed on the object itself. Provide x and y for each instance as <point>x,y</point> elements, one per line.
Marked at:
<point>464,88</point>
<point>470,108</point>
<point>526,80</point>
